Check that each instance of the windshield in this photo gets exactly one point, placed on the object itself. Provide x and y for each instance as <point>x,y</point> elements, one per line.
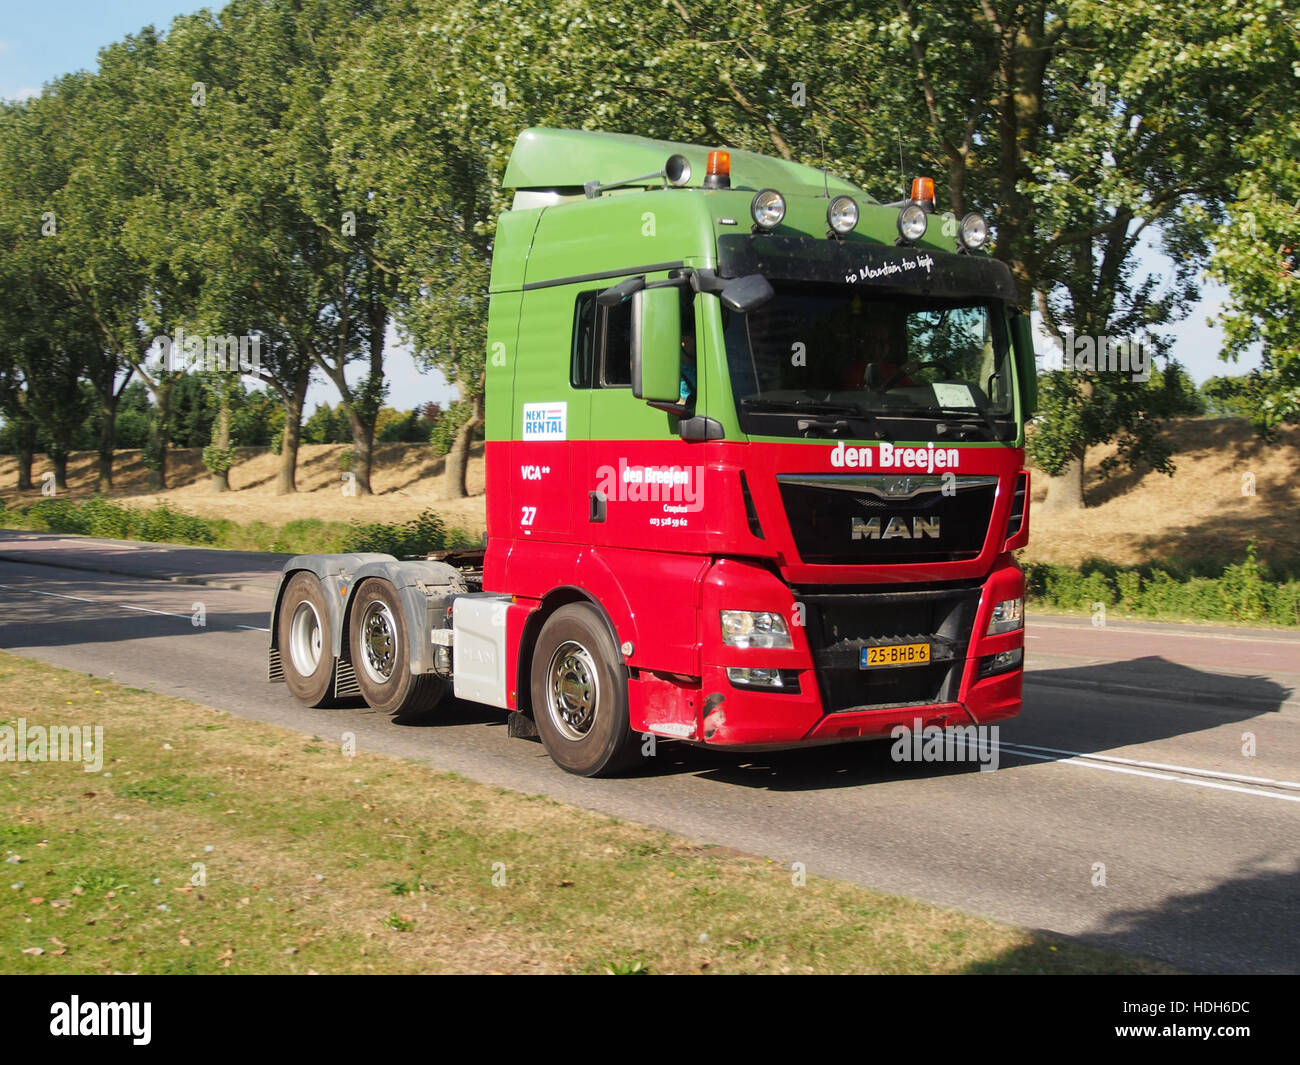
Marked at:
<point>819,360</point>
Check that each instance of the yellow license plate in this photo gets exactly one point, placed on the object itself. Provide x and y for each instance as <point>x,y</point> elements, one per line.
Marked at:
<point>897,654</point>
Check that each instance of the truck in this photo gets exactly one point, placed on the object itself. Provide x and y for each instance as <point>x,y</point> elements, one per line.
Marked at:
<point>754,453</point>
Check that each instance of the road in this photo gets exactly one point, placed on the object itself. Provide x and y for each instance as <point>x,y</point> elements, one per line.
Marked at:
<point>1129,755</point>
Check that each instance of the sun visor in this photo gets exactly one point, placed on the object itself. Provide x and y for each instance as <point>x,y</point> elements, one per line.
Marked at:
<point>915,271</point>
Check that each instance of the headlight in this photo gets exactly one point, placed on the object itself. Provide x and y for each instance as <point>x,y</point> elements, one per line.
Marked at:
<point>842,215</point>
<point>1008,616</point>
<point>974,232</point>
<point>767,208</point>
<point>748,628</point>
<point>912,221</point>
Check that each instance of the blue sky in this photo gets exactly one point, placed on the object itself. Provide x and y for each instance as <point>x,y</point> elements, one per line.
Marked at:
<point>41,39</point>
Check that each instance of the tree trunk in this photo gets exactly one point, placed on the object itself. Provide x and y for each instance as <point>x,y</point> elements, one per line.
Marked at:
<point>284,481</point>
<point>160,438</point>
<point>1065,491</point>
<point>221,478</point>
<point>454,482</point>
<point>26,453</point>
<point>158,448</point>
<point>363,448</point>
<point>59,456</point>
<point>107,443</point>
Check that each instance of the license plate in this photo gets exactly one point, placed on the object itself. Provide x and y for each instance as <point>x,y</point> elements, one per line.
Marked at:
<point>895,654</point>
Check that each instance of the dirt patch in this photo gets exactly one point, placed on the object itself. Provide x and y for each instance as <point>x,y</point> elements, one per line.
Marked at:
<point>1202,513</point>
<point>407,479</point>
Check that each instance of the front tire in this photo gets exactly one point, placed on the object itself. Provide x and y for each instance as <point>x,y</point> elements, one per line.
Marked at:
<point>302,634</point>
<point>380,649</point>
<point>579,690</point>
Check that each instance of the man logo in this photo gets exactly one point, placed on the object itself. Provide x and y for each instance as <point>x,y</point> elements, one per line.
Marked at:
<point>898,486</point>
<point>895,529</point>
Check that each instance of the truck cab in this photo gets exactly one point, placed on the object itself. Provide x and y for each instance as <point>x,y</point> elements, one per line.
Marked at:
<point>755,463</point>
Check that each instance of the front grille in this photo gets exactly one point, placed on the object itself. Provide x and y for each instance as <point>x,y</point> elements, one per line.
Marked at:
<point>841,624</point>
<point>865,519</point>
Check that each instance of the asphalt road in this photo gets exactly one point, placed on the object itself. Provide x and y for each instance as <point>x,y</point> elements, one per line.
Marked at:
<point>1129,753</point>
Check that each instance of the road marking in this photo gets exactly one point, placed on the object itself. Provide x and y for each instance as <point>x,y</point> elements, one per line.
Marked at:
<point>1239,777</point>
<point>1151,632</point>
<point>1089,761</point>
<point>123,606</point>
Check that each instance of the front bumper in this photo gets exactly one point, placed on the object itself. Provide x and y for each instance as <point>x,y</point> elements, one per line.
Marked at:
<point>835,701</point>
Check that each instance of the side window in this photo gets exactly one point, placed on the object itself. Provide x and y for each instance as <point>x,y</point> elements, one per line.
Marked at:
<point>616,346</point>
<point>584,341</point>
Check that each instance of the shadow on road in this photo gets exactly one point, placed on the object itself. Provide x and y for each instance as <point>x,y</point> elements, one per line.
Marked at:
<point>29,621</point>
<point>1064,708</point>
<point>1231,908</point>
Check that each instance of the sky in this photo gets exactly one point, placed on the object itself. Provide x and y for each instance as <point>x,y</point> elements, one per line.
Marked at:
<point>42,39</point>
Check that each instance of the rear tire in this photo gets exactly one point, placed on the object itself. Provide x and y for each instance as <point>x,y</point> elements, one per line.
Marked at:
<point>579,689</point>
<point>380,648</point>
<point>302,635</point>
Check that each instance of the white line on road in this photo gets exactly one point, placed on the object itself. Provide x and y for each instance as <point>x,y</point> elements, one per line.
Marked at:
<point>1240,778</point>
<point>124,606</point>
<point>1090,762</point>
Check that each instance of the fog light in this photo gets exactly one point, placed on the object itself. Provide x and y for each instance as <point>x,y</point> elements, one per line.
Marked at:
<point>755,678</point>
<point>1002,662</point>
<point>1008,616</point>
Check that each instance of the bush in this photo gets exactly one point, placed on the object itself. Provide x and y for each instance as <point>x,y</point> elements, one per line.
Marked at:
<point>419,536</point>
<point>1243,591</point>
<point>99,517</point>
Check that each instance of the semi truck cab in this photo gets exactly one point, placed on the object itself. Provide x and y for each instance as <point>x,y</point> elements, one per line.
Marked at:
<point>755,471</point>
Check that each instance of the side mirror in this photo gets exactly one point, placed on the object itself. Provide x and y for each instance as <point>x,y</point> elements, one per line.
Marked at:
<point>612,297</point>
<point>657,345</point>
<point>1022,336</point>
<point>746,294</point>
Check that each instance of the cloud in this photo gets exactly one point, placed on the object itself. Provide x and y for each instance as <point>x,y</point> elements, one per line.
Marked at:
<point>21,94</point>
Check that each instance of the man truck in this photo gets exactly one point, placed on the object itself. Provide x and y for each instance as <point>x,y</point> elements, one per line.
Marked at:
<point>755,471</point>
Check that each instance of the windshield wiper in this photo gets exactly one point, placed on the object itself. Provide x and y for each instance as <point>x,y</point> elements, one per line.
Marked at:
<point>995,431</point>
<point>814,414</point>
<point>797,405</point>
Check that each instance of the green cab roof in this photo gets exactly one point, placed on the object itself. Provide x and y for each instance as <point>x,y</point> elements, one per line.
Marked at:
<point>569,158</point>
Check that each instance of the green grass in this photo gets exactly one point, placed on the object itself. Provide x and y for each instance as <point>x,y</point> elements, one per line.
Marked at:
<point>205,849</point>
<point>160,523</point>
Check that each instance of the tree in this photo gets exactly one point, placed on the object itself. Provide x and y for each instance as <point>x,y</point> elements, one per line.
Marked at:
<point>1258,258</point>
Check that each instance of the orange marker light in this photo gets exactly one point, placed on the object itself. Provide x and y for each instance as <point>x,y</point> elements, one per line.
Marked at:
<point>923,190</point>
<point>717,172</point>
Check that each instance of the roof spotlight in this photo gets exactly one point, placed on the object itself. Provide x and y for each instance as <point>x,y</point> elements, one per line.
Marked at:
<point>912,222</point>
<point>767,208</point>
<point>973,232</point>
<point>842,215</point>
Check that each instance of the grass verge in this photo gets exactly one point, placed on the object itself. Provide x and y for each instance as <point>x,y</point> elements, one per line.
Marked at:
<point>210,844</point>
<point>98,516</point>
<point>1243,593</point>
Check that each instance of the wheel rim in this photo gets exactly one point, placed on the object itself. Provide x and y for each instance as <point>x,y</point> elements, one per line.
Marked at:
<point>572,690</point>
<point>378,642</point>
<point>305,639</point>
